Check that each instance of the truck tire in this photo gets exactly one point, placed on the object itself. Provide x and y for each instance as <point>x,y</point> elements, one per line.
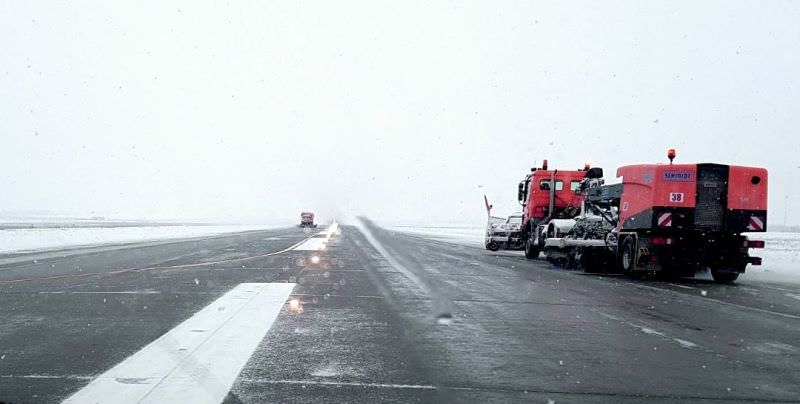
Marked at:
<point>492,246</point>
<point>531,251</point>
<point>627,257</point>
<point>721,275</point>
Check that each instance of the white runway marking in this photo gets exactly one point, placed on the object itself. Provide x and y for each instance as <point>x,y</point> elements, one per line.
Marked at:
<point>312,244</point>
<point>348,384</point>
<point>124,292</point>
<point>127,270</point>
<point>647,330</point>
<point>49,377</point>
<point>708,299</point>
<point>318,241</point>
<point>682,286</point>
<point>198,360</point>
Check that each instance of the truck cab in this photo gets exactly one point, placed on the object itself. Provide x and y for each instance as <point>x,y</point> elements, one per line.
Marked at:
<point>307,219</point>
<point>544,195</point>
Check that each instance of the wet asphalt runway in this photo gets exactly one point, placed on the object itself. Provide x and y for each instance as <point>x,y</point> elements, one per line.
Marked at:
<point>411,320</point>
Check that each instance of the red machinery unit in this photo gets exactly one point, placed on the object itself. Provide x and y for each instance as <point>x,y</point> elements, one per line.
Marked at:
<point>709,197</point>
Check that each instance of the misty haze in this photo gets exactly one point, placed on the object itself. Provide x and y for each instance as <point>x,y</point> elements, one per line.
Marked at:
<point>251,202</point>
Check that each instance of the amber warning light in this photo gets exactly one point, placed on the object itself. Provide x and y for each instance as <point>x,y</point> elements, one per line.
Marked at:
<point>671,155</point>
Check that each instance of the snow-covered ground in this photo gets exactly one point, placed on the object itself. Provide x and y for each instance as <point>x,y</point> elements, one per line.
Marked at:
<point>472,236</point>
<point>20,240</point>
<point>781,256</point>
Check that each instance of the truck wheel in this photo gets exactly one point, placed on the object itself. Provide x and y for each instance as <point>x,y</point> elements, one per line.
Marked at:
<point>531,250</point>
<point>493,246</point>
<point>722,276</point>
<point>628,258</point>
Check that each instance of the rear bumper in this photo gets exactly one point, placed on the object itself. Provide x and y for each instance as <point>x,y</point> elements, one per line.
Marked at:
<point>724,251</point>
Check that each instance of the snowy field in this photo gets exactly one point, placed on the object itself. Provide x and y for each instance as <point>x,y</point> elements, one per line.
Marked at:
<point>21,240</point>
<point>472,236</point>
<point>781,256</point>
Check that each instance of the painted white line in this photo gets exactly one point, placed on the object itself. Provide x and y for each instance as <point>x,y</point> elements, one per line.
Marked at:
<point>682,286</point>
<point>682,342</point>
<point>312,244</point>
<point>292,247</point>
<point>316,243</point>
<point>708,299</point>
<point>126,270</point>
<point>337,296</point>
<point>353,384</point>
<point>124,292</point>
<point>48,377</point>
<point>649,331</point>
<point>793,296</point>
<point>198,360</point>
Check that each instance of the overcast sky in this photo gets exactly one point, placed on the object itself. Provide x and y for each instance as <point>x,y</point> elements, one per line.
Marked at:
<point>398,110</point>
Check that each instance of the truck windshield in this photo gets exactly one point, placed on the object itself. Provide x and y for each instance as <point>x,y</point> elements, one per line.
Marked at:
<point>545,185</point>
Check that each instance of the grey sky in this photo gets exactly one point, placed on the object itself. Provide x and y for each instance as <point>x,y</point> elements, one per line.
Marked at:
<point>398,110</point>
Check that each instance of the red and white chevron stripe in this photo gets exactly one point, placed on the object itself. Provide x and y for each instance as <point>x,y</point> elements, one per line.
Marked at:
<point>664,220</point>
<point>756,223</point>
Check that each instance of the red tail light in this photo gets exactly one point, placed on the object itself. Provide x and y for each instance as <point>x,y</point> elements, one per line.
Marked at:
<point>753,244</point>
<point>661,241</point>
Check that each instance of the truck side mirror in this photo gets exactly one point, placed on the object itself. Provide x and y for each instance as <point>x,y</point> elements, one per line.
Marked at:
<point>521,192</point>
<point>594,172</point>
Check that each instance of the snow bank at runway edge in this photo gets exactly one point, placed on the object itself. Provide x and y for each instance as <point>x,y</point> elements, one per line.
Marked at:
<point>21,240</point>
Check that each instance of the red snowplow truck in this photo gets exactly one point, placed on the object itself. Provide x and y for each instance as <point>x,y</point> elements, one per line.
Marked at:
<point>547,195</point>
<point>671,219</point>
<point>307,219</point>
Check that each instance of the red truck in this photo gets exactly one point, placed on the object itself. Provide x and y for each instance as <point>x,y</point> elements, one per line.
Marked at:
<point>546,195</point>
<point>661,218</point>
